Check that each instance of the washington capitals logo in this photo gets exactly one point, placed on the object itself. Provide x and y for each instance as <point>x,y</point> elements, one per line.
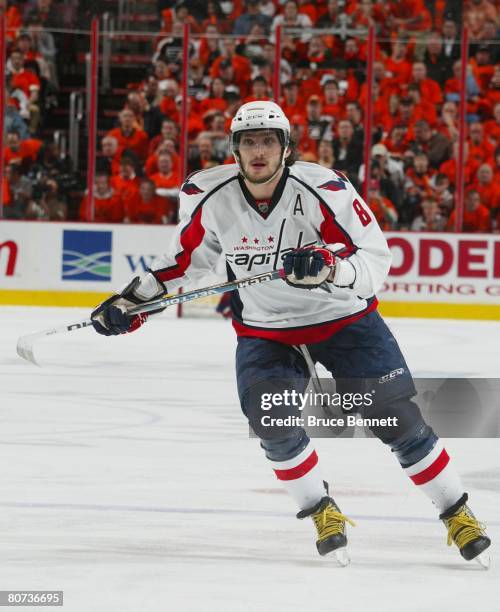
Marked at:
<point>191,189</point>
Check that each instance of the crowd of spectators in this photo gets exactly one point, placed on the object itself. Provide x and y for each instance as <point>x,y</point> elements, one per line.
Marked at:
<point>416,93</point>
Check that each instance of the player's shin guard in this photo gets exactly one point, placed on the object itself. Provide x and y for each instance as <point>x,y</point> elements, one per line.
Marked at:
<point>423,457</point>
<point>300,475</point>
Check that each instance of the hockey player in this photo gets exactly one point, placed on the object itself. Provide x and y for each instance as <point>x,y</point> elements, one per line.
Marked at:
<point>266,212</point>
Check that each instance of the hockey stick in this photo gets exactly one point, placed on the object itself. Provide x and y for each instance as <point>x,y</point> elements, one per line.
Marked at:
<point>25,344</point>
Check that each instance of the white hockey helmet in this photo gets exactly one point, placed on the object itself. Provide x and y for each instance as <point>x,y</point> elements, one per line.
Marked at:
<point>260,115</point>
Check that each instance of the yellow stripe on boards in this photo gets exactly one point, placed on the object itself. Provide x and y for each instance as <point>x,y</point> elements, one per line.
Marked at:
<point>435,310</point>
<point>51,298</point>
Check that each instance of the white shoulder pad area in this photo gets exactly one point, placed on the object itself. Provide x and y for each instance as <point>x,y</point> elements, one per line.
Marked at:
<point>199,185</point>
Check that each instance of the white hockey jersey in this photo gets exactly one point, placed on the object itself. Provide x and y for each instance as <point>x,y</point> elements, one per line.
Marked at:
<point>311,205</point>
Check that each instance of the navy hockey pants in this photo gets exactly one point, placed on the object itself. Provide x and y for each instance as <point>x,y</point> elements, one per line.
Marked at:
<point>363,356</point>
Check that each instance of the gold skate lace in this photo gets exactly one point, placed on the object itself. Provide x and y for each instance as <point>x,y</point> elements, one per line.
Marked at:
<point>463,528</point>
<point>330,522</point>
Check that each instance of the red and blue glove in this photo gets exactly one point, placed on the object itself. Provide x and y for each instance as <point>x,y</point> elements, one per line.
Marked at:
<point>309,267</point>
<point>111,319</point>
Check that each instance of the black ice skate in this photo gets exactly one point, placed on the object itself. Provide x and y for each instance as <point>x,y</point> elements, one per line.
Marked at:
<point>467,532</point>
<point>330,525</point>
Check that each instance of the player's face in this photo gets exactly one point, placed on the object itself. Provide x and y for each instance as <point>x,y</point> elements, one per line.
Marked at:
<point>260,155</point>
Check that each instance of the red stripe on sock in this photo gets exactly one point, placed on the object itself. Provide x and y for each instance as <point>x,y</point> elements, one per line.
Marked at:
<point>433,470</point>
<point>299,470</point>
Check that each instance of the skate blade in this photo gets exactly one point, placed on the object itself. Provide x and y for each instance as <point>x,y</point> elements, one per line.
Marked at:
<point>484,560</point>
<point>342,557</point>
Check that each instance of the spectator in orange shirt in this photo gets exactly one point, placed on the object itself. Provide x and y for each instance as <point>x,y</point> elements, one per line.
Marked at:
<point>488,189</point>
<point>215,99</point>
<point>13,19</point>
<point>125,184</point>
<point>450,167</point>
<point>307,80</point>
<point>480,148</point>
<point>383,209</point>
<point>169,90</point>
<point>111,155</point>
<point>21,152</point>
<point>242,69</point>
<point>167,183</point>
<point>418,178</point>
<point>299,135</point>
<point>397,67</point>
<point>447,124</point>
<point>429,89</point>
<point>482,66</point>
<point>166,146</point>
<point>169,131</point>
<point>492,126</point>
<point>108,205</point>
<point>476,215</point>
<point>128,136</point>
<point>291,103</point>
<point>144,206</point>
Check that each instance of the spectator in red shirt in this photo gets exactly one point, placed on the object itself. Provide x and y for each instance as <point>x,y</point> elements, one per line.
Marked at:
<point>397,66</point>
<point>476,215</point>
<point>144,206</point>
<point>291,103</point>
<point>450,167</point>
<point>13,19</point>
<point>21,152</point>
<point>128,136</point>
<point>492,126</point>
<point>480,148</point>
<point>447,124</point>
<point>108,205</point>
<point>333,105</point>
<point>27,82</point>
<point>488,189</point>
<point>429,89</point>
<point>396,142</point>
<point>21,78</point>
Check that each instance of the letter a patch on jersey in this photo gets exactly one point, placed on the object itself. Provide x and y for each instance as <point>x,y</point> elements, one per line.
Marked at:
<point>190,188</point>
<point>298,206</point>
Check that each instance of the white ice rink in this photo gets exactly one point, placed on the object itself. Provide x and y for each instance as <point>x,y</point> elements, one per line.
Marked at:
<point>127,479</point>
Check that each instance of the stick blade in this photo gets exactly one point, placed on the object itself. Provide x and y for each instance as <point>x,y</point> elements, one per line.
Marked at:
<point>25,348</point>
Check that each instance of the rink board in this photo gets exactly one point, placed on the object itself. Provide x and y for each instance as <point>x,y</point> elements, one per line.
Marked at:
<point>436,275</point>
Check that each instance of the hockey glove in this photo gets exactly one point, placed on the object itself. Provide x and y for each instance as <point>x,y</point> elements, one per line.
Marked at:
<point>110,318</point>
<point>308,268</point>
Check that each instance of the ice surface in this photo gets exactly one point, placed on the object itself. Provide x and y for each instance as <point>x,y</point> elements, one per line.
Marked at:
<point>128,480</point>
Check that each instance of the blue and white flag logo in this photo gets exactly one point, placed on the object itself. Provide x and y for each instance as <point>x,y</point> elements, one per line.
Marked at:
<point>86,255</point>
